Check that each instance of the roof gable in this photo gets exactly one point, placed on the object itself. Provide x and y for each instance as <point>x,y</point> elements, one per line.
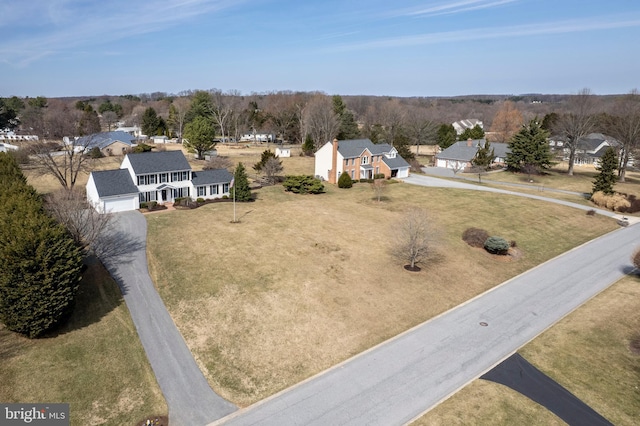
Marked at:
<point>209,177</point>
<point>103,140</point>
<point>158,162</point>
<point>109,183</point>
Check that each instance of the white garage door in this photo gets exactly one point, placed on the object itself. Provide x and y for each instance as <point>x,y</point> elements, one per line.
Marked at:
<point>120,204</point>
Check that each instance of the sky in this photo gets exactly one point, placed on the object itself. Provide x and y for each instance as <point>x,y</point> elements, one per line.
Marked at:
<point>58,48</point>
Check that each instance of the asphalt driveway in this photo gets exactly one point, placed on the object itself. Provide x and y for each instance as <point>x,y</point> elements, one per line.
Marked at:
<point>190,399</point>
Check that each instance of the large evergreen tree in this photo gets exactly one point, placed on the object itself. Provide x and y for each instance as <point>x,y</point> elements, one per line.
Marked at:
<point>150,122</point>
<point>241,184</point>
<point>199,136</point>
<point>484,157</point>
<point>39,261</point>
<point>348,127</point>
<point>529,148</point>
<point>606,178</point>
<point>446,136</point>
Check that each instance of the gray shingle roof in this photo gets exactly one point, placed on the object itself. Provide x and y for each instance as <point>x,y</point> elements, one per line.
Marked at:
<point>157,162</point>
<point>352,148</point>
<point>395,163</point>
<point>460,151</point>
<point>113,182</point>
<point>208,177</point>
<point>103,140</point>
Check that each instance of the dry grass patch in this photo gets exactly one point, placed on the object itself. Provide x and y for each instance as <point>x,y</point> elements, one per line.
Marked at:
<point>304,282</point>
<point>588,352</point>
<point>96,362</point>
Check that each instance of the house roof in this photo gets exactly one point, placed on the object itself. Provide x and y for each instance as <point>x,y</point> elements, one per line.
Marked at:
<point>209,177</point>
<point>352,148</point>
<point>113,182</point>
<point>103,140</point>
<point>158,162</point>
<point>461,151</point>
<point>395,163</point>
<point>593,140</point>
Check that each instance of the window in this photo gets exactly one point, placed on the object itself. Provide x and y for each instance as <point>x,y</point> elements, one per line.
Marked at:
<point>180,192</point>
<point>353,174</point>
<point>364,160</point>
<point>164,177</point>
<point>175,176</point>
<point>213,189</point>
<point>179,176</point>
<point>202,191</point>
<point>147,179</point>
<point>377,170</point>
<point>225,187</point>
<point>148,196</point>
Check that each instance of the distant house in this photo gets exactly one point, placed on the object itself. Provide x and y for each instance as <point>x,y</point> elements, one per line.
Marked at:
<point>258,137</point>
<point>360,158</point>
<point>153,176</point>
<point>6,147</point>
<point>10,136</point>
<point>159,139</point>
<point>465,124</point>
<point>459,155</point>
<point>132,130</point>
<point>282,152</point>
<point>109,143</point>
<point>590,148</point>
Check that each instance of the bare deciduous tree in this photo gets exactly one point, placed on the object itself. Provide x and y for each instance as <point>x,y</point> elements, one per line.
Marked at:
<point>378,186</point>
<point>320,120</point>
<point>109,118</point>
<point>272,167</point>
<point>421,126</point>
<point>576,124</point>
<point>624,125</point>
<point>63,162</point>
<point>218,163</point>
<point>507,121</point>
<point>84,223</point>
<point>414,238</point>
<point>177,113</point>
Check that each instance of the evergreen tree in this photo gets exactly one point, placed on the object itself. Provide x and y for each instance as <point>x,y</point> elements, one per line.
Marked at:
<point>39,261</point>
<point>476,132</point>
<point>529,148</point>
<point>199,136</point>
<point>266,155</point>
<point>446,136</point>
<point>606,179</point>
<point>484,157</point>
<point>308,145</point>
<point>344,181</point>
<point>401,143</point>
<point>89,121</point>
<point>241,184</point>
<point>150,122</point>
<point>348,127</point>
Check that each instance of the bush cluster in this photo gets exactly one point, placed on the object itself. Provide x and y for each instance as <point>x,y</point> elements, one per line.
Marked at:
<point>636,259</point>
<point>475,237</point>
<point>40,264</point>
<point>303,184</point>
<point>345,181</point>
<point>379,176</point>
<point>496,245</point>
<point>615,202</point>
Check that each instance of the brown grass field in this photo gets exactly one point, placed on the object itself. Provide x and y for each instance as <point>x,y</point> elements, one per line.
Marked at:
<point>304,282</point>
<point>95,362</point>
<point>587,352</point>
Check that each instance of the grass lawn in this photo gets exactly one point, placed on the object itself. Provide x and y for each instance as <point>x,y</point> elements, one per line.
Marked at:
<point>587,353</point>
<point>304,282</point>
<point>95,362</point>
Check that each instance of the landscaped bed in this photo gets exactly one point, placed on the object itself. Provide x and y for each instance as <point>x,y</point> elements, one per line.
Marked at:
<point>304,282</point>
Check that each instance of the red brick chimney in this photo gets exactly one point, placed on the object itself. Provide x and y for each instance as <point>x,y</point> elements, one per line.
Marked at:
<point>333,175</point>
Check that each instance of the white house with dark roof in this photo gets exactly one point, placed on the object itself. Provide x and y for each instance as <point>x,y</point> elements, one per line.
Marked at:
<point>109,143</point>
<point>360,158</point>
<point>459,155</point>
<point>153,176</point>
<point>467,123</point>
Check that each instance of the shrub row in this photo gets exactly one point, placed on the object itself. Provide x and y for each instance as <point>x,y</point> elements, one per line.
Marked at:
<point>303,184</point>
<point>477,237</point>
<point>615,202</point>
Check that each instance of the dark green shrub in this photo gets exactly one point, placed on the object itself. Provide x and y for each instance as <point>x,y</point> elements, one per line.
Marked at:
<point>144,205</point>
<point>475,237</point>
<point>225,197</point>
<point>366,180</point>
<point>496,245</point>
<point>178,200</point>
<point>200,200</point>
<point>344,181</point>
<point>303,185</point>
<point>95,153</point>
<point>379,176</point>
<point>152,205</point>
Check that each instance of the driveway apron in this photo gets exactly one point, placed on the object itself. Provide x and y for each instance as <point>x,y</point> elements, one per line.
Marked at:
<point>190,399</point>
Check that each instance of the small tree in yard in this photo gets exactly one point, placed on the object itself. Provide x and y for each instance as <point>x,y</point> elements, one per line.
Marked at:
<point>264,157</point>
<point>378,186</point>
<point>199,135</point>
<point>413,239</point>
<point>344,181</point>
<point>218,163</point>
<point>606,179</point>
<point>241,185</point>
<point>271,169</point>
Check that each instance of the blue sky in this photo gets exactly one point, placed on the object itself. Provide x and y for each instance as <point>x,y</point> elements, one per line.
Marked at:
<point>398,48</point>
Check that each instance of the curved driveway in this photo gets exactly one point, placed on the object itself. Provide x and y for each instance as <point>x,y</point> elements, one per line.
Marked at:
<point>398,380</point>
<point>190,399</point>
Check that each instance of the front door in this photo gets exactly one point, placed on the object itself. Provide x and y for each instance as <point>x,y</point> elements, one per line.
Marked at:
<point>164,195</point>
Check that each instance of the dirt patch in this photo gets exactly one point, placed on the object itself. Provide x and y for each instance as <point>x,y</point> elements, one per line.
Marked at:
<point>634,345</point>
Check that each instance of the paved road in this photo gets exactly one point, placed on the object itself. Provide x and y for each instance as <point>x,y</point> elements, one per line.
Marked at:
<point>397,381</point>
<point>190,399</point>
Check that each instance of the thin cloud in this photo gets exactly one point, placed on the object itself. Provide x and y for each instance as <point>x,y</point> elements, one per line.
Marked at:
<point>451,8</point>
<point>70,24</point>
<point>559,27</point>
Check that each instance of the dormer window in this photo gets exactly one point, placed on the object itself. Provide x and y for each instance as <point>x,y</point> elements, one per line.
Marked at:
<point>364,160</point>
